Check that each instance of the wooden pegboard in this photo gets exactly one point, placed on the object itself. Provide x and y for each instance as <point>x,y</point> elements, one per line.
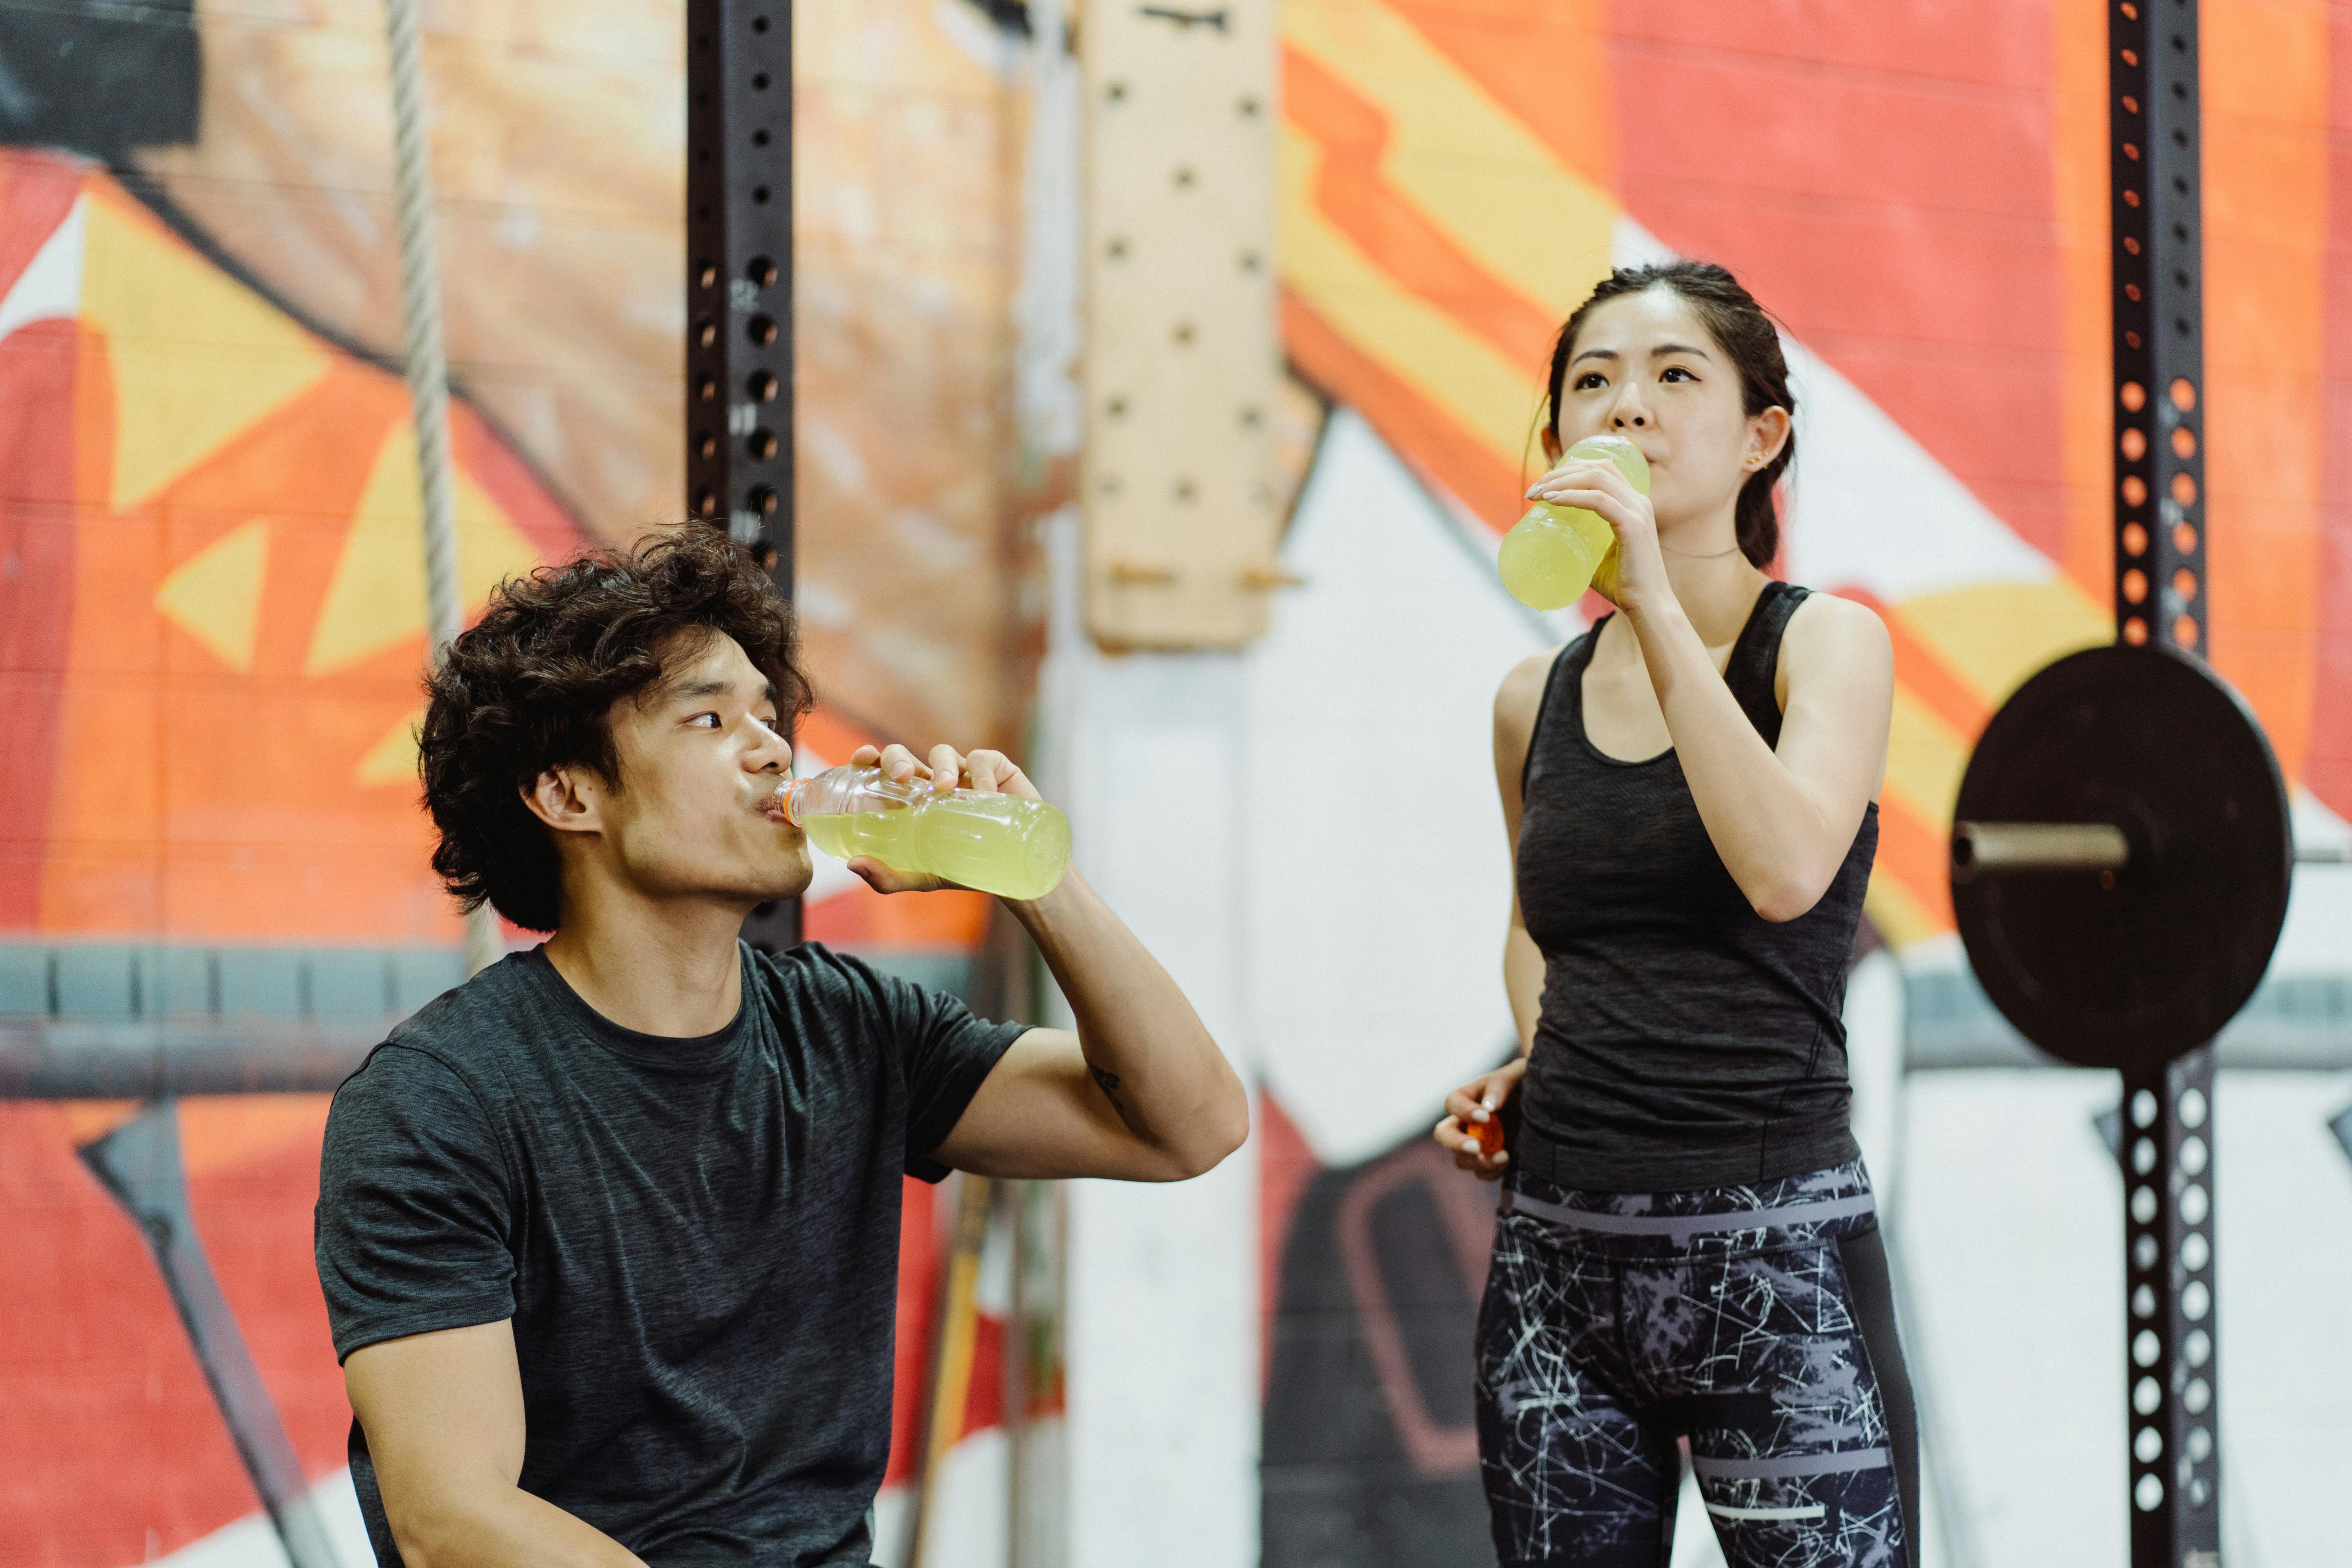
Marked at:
<point>1182,356</point>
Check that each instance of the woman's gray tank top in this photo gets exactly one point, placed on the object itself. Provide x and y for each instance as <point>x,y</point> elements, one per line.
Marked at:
<point>1685,1041</point>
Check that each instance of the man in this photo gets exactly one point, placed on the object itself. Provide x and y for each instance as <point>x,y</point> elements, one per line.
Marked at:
<point>609,1234</point>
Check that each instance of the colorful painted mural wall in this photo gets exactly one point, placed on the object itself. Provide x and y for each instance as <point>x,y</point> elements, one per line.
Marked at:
<point>211,600</point>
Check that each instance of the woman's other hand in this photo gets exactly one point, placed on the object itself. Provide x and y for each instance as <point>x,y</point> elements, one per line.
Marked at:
<point>1478,1104</point>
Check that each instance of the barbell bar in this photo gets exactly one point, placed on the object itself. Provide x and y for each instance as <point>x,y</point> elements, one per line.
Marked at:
<point>1982,847</point>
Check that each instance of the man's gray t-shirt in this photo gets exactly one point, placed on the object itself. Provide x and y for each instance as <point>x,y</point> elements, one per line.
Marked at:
<point>696,1239</point>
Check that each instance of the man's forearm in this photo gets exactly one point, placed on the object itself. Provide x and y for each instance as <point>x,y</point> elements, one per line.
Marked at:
<point>1144,1044</point>
<point>500,1526</point>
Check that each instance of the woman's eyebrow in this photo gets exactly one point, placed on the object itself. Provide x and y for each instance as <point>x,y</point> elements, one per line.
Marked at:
<point>1665,348</point>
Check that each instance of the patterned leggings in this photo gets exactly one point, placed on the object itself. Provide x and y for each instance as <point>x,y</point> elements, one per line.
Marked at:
<point>1755,1322</point>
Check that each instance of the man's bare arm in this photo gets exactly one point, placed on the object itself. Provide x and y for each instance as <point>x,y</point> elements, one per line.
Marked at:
<point>1139,1092</point>
<point>444,1419</point>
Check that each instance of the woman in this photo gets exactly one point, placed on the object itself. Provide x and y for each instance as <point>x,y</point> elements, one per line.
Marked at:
<point>1687,1246</point>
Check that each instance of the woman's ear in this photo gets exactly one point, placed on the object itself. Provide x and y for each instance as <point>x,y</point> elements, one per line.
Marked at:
<point>1551,446</point>
<point>1767,433</point>
<point>565,801</point>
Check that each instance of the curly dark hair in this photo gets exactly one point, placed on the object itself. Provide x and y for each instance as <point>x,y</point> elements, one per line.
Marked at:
<point>1748,335</point>
<point>531,687</point>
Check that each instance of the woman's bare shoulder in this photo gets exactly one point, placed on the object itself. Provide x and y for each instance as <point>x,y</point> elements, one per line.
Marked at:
<point>1522,689</point>
<point>1838,638</point>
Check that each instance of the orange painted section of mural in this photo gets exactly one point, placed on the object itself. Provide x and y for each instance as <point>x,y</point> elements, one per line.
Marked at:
<point>226,572</point>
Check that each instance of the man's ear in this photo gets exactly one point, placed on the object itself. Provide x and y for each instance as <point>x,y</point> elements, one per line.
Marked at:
<point>566,799</point>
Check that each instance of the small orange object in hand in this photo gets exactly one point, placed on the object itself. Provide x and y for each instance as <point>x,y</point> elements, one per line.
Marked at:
<point>1489,1134</point>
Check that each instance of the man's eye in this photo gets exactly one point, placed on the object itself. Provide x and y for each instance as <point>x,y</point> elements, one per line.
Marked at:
<point>699,718</point>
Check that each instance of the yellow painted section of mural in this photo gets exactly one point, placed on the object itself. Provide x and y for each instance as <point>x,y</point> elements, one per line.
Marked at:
<point>376,598</point>
<point>195,356</point>
<point>1462,160</point>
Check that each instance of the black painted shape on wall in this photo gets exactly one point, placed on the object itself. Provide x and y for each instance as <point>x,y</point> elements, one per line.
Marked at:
<point>1369,1455</point>
<point>100,78</point>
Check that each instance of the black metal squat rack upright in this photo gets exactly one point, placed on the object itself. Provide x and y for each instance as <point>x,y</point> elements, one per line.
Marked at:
<point>738,295</point>
<point>2159,372</point>
<point>739,283</point>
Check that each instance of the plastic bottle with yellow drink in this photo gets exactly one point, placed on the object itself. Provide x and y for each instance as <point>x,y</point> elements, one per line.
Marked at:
<point>1009,845</point>
<point>1555,552</point>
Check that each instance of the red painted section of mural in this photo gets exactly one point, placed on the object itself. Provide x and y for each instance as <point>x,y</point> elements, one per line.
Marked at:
<point>1811,150</point>
<point>93,1345</point>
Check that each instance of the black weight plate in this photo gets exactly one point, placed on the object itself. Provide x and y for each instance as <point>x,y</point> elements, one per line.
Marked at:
<point>2134,973</point>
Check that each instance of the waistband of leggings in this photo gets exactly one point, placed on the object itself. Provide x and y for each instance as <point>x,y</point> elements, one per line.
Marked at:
<point>1815,1206</point>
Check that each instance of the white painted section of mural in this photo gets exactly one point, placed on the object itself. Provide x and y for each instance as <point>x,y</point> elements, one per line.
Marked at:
<point>1379,878</point>
<point>251,1543</point>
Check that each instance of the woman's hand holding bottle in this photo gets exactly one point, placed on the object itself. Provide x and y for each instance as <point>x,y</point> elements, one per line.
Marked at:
<point>1634,576</point>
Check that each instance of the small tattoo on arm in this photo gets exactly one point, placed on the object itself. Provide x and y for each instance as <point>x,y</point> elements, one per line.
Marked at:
<point>1109,1082</point>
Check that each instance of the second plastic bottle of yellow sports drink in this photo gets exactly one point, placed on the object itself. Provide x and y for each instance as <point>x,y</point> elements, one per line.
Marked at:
<point>1555,552</point>
<point>1005,844</point>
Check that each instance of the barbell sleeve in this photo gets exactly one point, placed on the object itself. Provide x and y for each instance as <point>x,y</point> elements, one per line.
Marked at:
<point>1982,846</point>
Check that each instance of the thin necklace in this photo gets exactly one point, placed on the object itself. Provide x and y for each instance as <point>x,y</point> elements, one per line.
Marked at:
<point>1696,555</point>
